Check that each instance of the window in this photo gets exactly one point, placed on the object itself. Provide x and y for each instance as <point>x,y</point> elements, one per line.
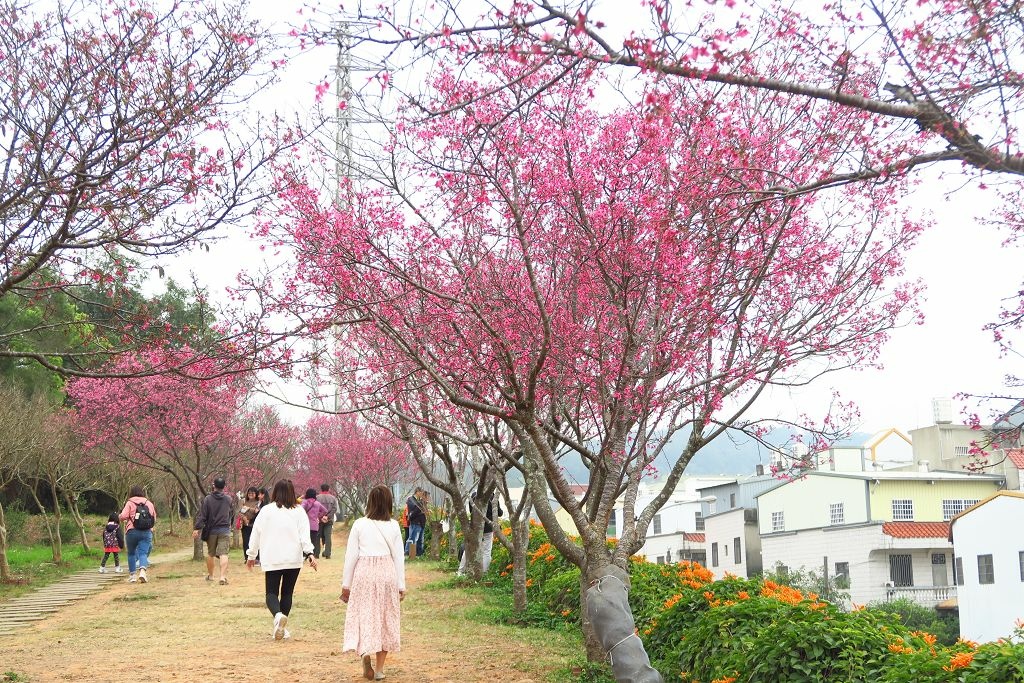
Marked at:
<point>953,507</point>
<point>836,514</point>
<point>778,521</point>
<point>657,524</point>
<point>732,500</point>
<point>668,556</point>
<point>611,524</point>
<point>736,550</point>
<point>986,573</point>
<point>902,510</point>
<point>660,559</point>
<point>901,570</point>
<point>1020,560</point>
<point>714,554</point>
<point>698,517</point>
<point>842,575</point>
<point>958,571</point>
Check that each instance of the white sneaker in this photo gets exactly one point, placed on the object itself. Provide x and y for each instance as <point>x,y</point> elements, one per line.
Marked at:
<point>131,578</point>
<point>280,621</point>
<point>103,570</point>
<point>142,575</point>
<point>118,570</point>
<point>287,634</point>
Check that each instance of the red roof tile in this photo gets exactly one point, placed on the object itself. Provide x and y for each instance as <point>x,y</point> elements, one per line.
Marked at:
<point>1016,456</point>
<point>692,537</point>
<point>916,529</point>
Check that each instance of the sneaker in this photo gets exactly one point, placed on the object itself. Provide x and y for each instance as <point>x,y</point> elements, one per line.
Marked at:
<point>131,578</point>
<point>379,676</point>
<point>118,569</point>
<point>280,621</point>
<point>103,570</point>
<point>142,575</point>
<point>223,581</point>
<point>287,634</point>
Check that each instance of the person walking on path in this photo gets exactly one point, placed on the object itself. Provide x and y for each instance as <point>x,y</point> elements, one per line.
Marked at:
<point>373,584</point>
<point>280,537</point>
<point>317,513</point>
<point>246,514</point>
<point>416,509</point>
<point>487,540</point>
<point>329,501</point>
<point>214,523</point>
<point>113,542</point>
<point>139,515</point>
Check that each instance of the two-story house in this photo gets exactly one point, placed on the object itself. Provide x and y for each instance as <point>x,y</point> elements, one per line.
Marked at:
<point>990,566</point>
<point>732,540</point>
<point>882,535</point>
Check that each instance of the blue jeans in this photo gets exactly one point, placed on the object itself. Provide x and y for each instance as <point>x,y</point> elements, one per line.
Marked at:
<point>415,536</point>
<point>138,543</point>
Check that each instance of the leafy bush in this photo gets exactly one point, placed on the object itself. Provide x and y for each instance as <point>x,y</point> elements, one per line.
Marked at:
<point>919,618</point>
<point>16,517</point>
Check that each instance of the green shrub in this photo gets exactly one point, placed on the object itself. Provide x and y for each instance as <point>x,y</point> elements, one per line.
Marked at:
<point>16,517</point>
<point>919,618</point>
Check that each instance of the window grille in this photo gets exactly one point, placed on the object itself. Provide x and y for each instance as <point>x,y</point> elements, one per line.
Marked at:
<point>778,521</point>
<point>961,450</point>
<point>901,570</point>
<point>657,524</point>
<point>986,572</point>
<point>714,554</point>
<point>698,517</point>
<point>736,550</point>
<point>902,510</point>
<point>836,514</point>
<point>953,507</point>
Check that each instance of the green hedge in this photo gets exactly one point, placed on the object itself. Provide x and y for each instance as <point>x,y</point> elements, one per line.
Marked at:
<point>759,631</point>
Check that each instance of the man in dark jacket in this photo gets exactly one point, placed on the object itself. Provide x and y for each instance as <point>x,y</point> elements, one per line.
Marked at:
<point>415,510</point>
<point>214,521</point>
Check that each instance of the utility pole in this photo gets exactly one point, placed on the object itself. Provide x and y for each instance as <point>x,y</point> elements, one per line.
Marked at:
<point>342,159</point>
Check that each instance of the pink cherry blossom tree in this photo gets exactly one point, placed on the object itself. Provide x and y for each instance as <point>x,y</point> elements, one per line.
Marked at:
<point>352,455</point>
<point>124,136</point>
<point>601,280</point>
<point>189,429</point>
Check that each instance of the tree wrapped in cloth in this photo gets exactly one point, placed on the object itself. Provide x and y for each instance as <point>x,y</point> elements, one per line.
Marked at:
<point>599,281</point>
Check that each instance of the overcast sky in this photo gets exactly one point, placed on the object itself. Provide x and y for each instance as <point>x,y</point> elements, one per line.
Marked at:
<point>966,269</point>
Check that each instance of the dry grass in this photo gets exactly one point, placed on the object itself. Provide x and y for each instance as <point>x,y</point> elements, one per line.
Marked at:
<point>178,627</point>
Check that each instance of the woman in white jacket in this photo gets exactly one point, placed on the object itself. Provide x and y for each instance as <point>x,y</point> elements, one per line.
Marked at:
<point>280,537</point>
<point>374,584</point>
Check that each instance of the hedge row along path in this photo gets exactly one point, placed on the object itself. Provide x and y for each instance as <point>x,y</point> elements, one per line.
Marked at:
<point>179,627</point>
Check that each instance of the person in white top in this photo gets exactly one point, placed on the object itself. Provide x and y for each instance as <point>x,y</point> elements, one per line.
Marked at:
<point>373,584</point>
<point>280,537</point>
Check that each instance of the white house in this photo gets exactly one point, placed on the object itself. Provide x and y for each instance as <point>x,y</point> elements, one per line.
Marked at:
<point>886,449</point>
<point>989,545</point>
<point>883,534</point>
<point>732,540</point>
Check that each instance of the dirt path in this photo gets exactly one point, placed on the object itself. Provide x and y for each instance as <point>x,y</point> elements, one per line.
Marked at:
<point>178,627</point>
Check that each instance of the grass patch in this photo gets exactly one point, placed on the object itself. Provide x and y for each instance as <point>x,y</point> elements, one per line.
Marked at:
<point>12,677</point>
<point>33,567</point>
<point>136,597</point>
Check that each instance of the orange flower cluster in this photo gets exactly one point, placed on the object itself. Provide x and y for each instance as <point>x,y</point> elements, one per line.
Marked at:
<point>727,679</point>
<point>566,612</point>
<point>743,595</point>
<point>791,596</point>
<point>900,649</point>
<point>671,602</point>
<point>926,637</point>
<point>544,549</point>
<point>959,661</point>
<point>529,582</point>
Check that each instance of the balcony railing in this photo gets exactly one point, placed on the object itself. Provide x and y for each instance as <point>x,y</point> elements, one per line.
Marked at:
<point>922,595</point>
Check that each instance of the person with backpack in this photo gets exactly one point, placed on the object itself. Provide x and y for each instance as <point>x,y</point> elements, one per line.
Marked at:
<point>214,523</point>
<point>139,515</point>
<point>113,542</point>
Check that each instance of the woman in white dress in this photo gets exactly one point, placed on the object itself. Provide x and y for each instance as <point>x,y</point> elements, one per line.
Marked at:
<point>374,584</point>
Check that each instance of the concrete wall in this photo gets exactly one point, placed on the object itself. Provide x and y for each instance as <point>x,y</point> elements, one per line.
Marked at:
<point>806,502</point>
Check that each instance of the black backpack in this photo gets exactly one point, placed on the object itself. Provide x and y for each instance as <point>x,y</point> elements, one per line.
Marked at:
<point>143,520</point>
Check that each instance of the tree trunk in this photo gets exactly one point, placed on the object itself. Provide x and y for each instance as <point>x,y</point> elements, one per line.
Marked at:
<point>55,548</point>
<point>72,502</point>
<point>520,546</point>
<point>5,567</point>
<point>197,550</point>
<point>591,643</point>
<point>58,548</point>
<point>436,529</point>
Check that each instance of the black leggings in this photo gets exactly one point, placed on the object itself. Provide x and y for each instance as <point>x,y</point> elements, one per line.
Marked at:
<point>280,586</point>
<point>117,559</point>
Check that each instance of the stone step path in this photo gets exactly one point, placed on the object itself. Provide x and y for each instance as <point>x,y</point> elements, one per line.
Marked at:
<point>24,610</point>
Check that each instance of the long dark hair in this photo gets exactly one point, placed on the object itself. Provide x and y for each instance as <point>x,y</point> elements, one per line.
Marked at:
<point>380,503</point>
<point>284,494</point>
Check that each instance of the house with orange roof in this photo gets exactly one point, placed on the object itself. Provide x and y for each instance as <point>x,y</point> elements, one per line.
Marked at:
<point>989,549</point>
<point>882,535</point>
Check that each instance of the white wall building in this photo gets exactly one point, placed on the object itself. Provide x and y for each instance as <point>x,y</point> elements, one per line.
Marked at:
<point>989,544</point>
